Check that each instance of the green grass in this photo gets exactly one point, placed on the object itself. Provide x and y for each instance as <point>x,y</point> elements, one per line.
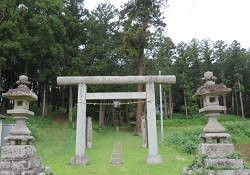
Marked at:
<point>57,148</point>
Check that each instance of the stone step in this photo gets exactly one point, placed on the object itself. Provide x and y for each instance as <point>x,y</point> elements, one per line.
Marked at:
<point>117,156</point>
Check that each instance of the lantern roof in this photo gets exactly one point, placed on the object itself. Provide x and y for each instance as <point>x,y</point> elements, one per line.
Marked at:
<point>22,91</point>
<point>210,88</point>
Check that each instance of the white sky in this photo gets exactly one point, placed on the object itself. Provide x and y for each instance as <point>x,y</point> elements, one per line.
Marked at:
<point>225,20</point>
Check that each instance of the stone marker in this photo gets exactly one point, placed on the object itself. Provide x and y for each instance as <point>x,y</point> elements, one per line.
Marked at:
<point>89,133</point>
<point>144,132</point>
<point>18,156</point>
<point>214,139</point>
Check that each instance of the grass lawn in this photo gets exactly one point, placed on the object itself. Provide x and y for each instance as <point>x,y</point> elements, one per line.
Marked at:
<point>58,146</point>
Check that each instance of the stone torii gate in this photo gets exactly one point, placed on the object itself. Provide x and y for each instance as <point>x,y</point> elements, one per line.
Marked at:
<point>149,95</point>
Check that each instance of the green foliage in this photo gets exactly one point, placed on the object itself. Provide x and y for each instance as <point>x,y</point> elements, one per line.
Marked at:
<point>235,155</point>
<point>9,120</point>
<point>185,140</point>
<point>74,113</point>
<point>180,120</point>
<point>239,131</point>
<point>198,163</point>
<point>34,123</point>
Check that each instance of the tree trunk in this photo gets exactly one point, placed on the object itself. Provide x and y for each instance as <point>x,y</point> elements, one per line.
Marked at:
<point>26,67</point>
<point>225,103</point>
<point>70,103</point>
<point>53,98</point>
<point>236,100</point>
<point>59,98</point>
<point>139,101</point>
<point>241,104</point>
<point>170,105</point>
<point>165,105</point>
<point>101,113</point>
<point>185,103</point>
<point>126,115</point>
<point>39,95</point>
<point>44,112</point>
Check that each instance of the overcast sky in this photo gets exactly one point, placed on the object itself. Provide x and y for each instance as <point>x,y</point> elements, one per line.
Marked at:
<point>225,20</point>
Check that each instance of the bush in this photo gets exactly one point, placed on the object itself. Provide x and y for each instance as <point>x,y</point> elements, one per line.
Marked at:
<point>239,131</point>
<point>186,140</point>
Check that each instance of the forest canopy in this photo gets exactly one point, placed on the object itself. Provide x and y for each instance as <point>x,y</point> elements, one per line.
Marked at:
<point>47,39</point>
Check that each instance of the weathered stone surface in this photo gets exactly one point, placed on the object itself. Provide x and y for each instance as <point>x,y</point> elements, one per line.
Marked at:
<point>116,156</point>
<point>79,160</point>
<point>3,172</point>
<point>18,151</point>
<point>232,163</point>
<point>21,164</point>
<point>144,132</point>
<point>219,137</point>
<point>5,165</point>
<point>89,132</point>
<point>216,172</point>
<point>216,150</point>
<point>228,172</point>
<point>154,159</point>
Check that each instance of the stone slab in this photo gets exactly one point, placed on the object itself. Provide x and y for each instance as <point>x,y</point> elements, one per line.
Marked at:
<point>154,159</point>
<point>228,172</point>
<point>216,150</point>
<point>23,164</point>
<point>4,172</point>
<point>216,172</point>
<point>79,160</point>
<point>232,163</point>
<point>18,152</point>
<point>117,156</point>
<point>116,161</point>
<point>33,171</point>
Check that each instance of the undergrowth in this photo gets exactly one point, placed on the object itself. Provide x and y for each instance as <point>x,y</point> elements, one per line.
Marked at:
<point>35,123</point>
<point>187,139</point>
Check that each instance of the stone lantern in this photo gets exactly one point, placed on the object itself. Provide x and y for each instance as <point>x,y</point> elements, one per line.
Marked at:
<point>18,156</point>
<point>21,97</point>
<point>214,139</point>
<point>117,114</point>
<point>210,93</point>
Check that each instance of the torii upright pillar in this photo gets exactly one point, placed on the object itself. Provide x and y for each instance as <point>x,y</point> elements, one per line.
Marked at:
<point>80,158</point>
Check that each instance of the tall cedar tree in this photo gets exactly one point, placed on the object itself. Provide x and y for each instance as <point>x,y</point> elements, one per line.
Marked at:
<point>75,37</point>
<point>140,18</point>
